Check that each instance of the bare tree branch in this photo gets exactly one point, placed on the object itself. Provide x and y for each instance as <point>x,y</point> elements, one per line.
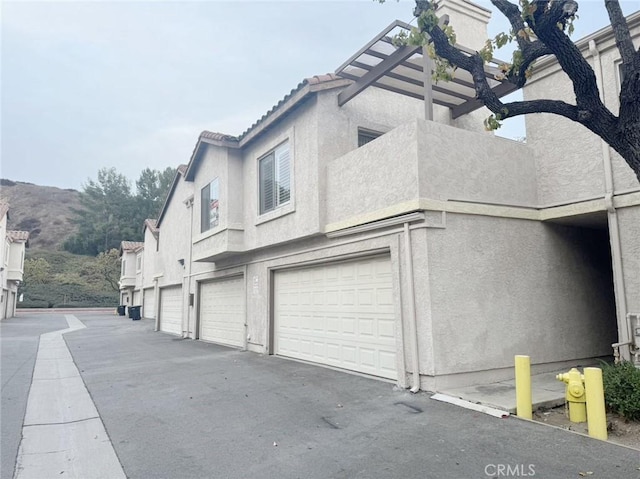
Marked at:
<point>621,33</point>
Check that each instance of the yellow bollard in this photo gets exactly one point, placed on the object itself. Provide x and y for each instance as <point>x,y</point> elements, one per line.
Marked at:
<point>596,413</point>
<point>524,407</point>
<point>575,395</point>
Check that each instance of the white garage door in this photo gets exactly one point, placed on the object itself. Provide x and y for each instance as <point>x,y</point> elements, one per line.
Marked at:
<point>338,314</point>
<point>136,299</point>
<point>222,311</point>
<point>149,303</point>
<point>171,310</point>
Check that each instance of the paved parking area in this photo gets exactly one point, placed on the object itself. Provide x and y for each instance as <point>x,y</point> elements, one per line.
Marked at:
<point>178,408</point>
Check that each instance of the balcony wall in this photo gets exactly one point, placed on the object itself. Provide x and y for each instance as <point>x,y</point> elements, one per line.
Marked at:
<point>427,160</point>
<point>212,247</point>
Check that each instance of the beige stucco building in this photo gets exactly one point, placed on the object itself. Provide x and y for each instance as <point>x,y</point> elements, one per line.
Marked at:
<point>12,256</point>
<point>353,227</point>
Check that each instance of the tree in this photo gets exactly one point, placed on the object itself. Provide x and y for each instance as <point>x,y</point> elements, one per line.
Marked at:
<point>107,267</point>
<point>111,213</point>
<point>152,188</point>
<point>36,271</point>
<point>543,27</point>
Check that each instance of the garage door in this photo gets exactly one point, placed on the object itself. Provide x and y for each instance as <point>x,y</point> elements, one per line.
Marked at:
<point>171,310</point>
<point>136,299</point>
<point>338,314</point>
<point>222,311</point>
<point>149,303</point>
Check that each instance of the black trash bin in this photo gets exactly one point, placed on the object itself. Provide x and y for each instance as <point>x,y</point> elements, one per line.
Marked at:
<point>134,312</point>
<point>122,310</point>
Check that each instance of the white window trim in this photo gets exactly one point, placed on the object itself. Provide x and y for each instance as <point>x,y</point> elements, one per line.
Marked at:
<point>218,227</point>
<point>138,263</point>
<point>286,208</point>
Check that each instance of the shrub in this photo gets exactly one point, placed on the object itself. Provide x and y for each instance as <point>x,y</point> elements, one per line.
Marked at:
<point>622,389</point>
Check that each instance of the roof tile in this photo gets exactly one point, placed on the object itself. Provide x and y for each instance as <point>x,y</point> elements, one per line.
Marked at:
<point>132,246</point>
<point>18,235</point>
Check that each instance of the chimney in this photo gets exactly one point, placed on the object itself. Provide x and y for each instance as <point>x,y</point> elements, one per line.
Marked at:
<point>469,21</point>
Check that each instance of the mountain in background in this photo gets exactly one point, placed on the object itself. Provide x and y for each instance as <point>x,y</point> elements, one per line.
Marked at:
<point>46,212</point>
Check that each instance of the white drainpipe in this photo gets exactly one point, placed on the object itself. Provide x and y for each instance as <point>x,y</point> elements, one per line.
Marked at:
<point>189,204</point>
<point>415,360</point>
<point>614,229</point>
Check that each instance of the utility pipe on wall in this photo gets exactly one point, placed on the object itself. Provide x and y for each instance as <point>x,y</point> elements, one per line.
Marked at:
<point>189,204</point>
<point>415,360</point>
<point>614,229</point>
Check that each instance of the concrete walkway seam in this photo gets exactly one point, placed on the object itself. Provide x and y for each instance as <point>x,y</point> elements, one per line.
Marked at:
<point>62,433</point>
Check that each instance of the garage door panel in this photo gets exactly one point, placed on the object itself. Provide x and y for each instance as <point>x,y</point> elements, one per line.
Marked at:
<point>340,314</point>
<point>171,310</point>
<point>149,306</point>
<point>222,311</point>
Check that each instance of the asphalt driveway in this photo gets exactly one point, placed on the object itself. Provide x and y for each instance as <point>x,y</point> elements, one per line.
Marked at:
<point>178,408</point>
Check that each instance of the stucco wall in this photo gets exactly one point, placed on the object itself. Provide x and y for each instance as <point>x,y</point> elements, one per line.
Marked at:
<point>629,221</point>
<point>379,174</point>
<point>174,236</point>
<point>501,287</point>
<point>423,159</point>
<point>4,259</point>
<point>456,164</point>
<point>299,217</point>
<point>569,157</point>
<point>149,259</point>
<point>16,260</point>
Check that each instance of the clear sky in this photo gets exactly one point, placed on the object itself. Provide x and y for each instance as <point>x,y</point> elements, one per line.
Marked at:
<point>95,84</point>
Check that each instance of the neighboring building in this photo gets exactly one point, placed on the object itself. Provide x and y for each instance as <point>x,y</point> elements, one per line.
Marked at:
<point>11,264</point>
<point>362,226</point>
<point>130,273</point>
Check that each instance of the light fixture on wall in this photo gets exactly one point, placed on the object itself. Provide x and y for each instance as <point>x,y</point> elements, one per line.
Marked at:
<point>181,261</point>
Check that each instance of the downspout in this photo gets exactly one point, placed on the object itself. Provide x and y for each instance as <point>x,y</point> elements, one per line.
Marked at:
<point>614,228</point>
<point>188,276</point>
<point>415,360</point>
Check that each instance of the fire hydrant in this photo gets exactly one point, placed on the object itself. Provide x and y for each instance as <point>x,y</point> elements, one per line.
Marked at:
<point>575,395</point>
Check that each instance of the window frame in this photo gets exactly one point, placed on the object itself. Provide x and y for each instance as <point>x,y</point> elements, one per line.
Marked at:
<point>278,171</point>
<point>369,134</point>
<point>138,263</point>
<point>209,223</point>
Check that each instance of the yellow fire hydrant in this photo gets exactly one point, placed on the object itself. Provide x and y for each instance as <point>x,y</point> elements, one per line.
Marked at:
<point>575,395</point>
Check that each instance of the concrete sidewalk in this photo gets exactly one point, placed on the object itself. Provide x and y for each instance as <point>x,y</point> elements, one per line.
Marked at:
<point>62,432</point>
<point>546,392</point>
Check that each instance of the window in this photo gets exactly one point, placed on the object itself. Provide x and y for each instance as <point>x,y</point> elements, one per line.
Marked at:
<point>275,178</point>
<point>210,206</point>
<point>124,268</point>
<point>138,262</point>
<point>366,136</point>
<point>620,75</point>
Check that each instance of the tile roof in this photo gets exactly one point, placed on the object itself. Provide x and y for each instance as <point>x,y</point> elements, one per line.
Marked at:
<point>314,83</point>
<point>133,246</point>
<point>311,81</point>
<point>18,235</point>
<point>152,224</point>
<point>182,169</point>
